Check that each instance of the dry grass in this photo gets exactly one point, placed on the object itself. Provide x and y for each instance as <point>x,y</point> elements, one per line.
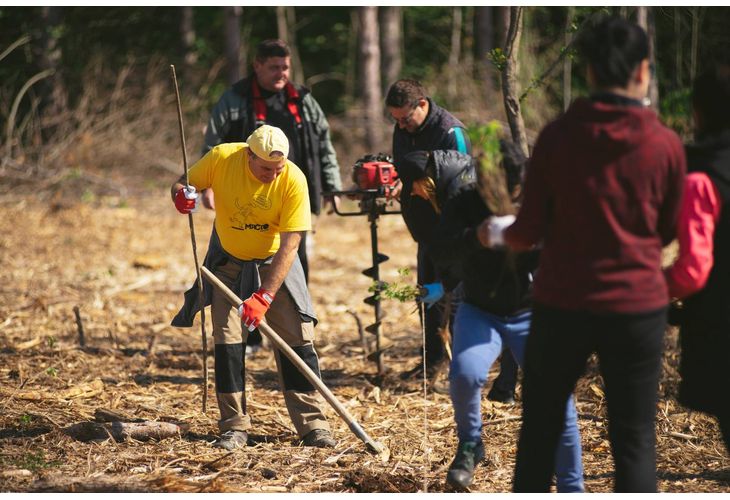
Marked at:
<point>126,269</point>
<point>94,228</point>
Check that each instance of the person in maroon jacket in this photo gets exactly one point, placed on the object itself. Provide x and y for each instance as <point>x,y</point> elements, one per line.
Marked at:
<point>701,274</point>
<point>602,195</point>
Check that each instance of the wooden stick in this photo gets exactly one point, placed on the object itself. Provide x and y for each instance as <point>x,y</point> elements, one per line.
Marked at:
<point>79,326</point>
<point>201,298</point>
<point>681,436</point>
<point>279,343</point>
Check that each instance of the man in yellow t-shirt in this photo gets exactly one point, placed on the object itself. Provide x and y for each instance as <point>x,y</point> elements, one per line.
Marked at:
<point>262,209</point>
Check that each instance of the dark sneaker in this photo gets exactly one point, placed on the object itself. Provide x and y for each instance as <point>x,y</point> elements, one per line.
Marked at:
<point>501,396</point>
<point>461,470</point>
<point>319,438</point>
<point>230,440</point>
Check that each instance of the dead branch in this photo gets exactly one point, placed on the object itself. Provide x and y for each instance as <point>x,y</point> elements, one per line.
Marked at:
<point>16,104</point>
<point>122,431</point>
<point>681,436</point>
<point>17,43</point>
<point>29,344</point>
<point>361,333</point>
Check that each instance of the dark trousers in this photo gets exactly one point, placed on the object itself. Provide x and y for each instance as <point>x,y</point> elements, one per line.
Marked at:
<point>506,381</point>
<point>629,349</point>
<point>434,315</point>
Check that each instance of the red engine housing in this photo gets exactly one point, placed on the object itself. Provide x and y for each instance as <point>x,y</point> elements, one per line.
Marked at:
<point>374,174</point>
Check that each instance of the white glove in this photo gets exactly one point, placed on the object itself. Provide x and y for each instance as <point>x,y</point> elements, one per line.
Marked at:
<point>191,194</point>
<point>497,225</point>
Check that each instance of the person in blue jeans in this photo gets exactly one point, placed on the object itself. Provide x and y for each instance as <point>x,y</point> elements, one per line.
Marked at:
<point>494,314</point>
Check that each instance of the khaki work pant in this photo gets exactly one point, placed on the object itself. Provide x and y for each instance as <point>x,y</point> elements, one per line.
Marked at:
<point>304,406</point>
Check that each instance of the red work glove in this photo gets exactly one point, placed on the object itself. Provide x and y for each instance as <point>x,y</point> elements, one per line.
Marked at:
<point>186,199</point>
<point>254,308</point>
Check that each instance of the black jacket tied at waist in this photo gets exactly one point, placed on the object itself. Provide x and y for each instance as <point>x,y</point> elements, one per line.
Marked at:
<point>247,283</point>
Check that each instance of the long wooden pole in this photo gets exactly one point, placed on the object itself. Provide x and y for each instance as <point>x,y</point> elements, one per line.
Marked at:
<point>279,343</point>
<point>201,298</point>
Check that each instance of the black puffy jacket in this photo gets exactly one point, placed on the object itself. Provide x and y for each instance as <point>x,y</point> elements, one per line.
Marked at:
<point>496,281</point>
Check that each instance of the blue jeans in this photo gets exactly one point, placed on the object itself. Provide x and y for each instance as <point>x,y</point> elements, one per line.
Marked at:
<point>478,340</point>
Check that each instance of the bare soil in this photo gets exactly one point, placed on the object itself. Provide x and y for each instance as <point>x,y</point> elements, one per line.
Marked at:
<point>125,267</point>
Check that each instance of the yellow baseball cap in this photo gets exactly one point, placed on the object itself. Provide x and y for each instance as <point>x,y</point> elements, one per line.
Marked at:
<point>266,140</point>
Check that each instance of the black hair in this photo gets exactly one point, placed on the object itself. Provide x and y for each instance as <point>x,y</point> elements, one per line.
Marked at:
<point>613,47</point>
<point>711,99</point>
<point>405,92</point>
<point>272,48</point>
<point>513,163</point>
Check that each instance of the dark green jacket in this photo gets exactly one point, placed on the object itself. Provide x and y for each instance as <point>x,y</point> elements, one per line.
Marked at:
<point>232,120</point>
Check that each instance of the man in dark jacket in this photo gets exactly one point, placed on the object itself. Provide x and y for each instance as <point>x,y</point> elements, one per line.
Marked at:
<point>421,125</point>
<point>268,97</point>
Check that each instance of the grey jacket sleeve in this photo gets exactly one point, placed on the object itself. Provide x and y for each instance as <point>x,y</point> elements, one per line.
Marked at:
<point>226,110</point>
<point>328,158</point>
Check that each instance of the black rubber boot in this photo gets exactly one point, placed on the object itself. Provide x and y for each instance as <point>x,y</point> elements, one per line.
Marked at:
<point>461,470</point>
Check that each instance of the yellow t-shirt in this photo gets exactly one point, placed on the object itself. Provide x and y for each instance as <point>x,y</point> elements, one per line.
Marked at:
<point>250,214</point>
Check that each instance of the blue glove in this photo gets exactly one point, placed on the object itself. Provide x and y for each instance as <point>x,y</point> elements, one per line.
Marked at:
<point>431,293</point>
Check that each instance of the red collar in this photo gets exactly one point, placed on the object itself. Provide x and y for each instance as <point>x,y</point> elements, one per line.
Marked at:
<point>259,103</point>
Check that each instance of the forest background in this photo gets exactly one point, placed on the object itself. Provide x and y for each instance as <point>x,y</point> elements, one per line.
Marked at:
<point>94,258</point>
<point>72,78</point>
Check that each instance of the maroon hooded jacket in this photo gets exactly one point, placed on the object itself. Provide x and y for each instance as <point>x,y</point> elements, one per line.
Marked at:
<point>602,193</point>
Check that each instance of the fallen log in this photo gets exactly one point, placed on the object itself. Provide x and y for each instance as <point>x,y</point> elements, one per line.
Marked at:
<point>122,431</point>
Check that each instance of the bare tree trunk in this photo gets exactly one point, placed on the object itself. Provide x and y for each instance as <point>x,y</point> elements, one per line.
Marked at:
<point>468,49</point>
<point>696,23</point>
<point>55,97</point>
<point>286,24</point>
<point>510,88</point>
<point>654,83</point>
<point>370,76</point>
<point>391,35</point>
<point>455,53</point>
<point>567,61</point>
<point>245,37</point>
<point>352,87</point>
<point>187,36</point>
<point>645,19</point>
<point>678,46</point>
<point>232,27</point>
<point>503,20</point>
<point>484,20</point>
